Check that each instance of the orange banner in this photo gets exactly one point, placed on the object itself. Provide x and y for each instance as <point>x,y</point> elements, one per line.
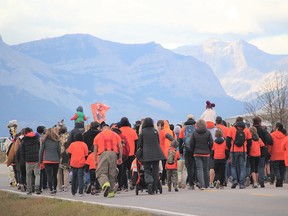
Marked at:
<point>99,111</point>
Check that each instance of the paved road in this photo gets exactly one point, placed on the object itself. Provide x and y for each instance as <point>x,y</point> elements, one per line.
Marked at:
<point>268,201</point>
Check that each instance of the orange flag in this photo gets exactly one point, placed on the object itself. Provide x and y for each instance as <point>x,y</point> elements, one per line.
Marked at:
<point>98,111</point>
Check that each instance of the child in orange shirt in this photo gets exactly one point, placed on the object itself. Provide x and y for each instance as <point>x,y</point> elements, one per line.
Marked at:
<point>219,154</point>
<point>171,166</point>
<point>79,151</point>
<point>254,151</point>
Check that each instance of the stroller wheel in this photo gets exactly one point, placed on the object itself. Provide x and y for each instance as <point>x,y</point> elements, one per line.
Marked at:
<point>137,189</point>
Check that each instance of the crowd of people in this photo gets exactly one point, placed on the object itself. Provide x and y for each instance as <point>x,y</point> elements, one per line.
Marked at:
<point>103,158</point>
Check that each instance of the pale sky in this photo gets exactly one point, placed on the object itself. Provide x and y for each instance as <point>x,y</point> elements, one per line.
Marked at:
<point>170,23</point>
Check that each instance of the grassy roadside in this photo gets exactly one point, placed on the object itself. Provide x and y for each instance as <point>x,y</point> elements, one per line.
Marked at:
<point>14,204</point>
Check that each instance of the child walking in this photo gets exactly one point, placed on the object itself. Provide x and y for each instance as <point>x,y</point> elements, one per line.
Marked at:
<point>254,151</point>
<point>220,154</point>
<point>171,166</point>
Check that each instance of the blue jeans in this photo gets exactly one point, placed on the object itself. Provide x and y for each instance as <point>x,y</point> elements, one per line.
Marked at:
<point>202,166</point>
<point>238,167</point>
<point>77,180</point>
<point>29,175</point>
<point>261,166</point>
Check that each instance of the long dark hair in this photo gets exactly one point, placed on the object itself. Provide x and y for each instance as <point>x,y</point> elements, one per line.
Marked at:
<point>280,128</point>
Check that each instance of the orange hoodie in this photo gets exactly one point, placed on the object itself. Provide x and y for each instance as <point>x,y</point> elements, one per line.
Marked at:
<point>165,142</point>
<point>285,148</point>
<point>276,150</point>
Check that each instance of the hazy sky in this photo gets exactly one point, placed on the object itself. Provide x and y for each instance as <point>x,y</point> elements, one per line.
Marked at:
<point>171,23</point>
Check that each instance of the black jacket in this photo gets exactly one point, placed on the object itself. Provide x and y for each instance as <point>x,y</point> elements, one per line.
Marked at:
<point>29,148</point>
<point>89,138</point>
<point>149,141</point>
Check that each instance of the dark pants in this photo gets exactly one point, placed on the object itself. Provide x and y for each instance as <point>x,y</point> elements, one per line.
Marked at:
<point>151,173</point>
<point>51,171</point>
<point>126,168</point>
<point>220,168</point>
<point>254,161</point>
<point>279,171</point>
<point>261,167</point>
<point>22,172</point>
<point>43,179</point>
<point>191,168</point>
<point>93,179</point>
<point>77,180</point>
<point>164,175</point>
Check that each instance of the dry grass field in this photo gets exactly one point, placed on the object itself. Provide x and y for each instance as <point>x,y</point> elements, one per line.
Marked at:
<point>23,205</point>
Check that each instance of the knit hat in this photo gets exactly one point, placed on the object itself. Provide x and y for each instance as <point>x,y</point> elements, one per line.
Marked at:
<point>209,105</point>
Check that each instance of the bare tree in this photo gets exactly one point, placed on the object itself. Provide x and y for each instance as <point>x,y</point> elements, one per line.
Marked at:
<point>272,100</point>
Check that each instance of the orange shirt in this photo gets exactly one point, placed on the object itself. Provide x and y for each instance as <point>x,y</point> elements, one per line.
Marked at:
<point>285,148</point>
<point>219,150</point>
<point>223,128</point>
<point>176,158</point>
<point>276,150</point>
<point>131,137</point>
<point>255,148</point>
<point>182,132</point>
<point>232,133</point>
<point>107,140</point>
<point>78,151</point>
<point>90,161</point>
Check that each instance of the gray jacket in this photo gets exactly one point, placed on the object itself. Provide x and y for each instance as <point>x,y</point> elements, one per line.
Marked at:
<point>52,151</point>
<point>201,141</point>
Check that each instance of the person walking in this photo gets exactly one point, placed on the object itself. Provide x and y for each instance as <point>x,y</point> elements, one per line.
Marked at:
<point>201,143</point>
<point>29,150</point>
<point>278,154</point>
<point>186,151</point>
<point>152,153</point>
<point>254,152</point>
<point>52,147</point>
<point>107,154</point>
<point>238,137</point>
<point>79,152</point>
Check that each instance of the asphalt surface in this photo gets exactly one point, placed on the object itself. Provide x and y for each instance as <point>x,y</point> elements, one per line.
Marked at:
<point>268,201</point>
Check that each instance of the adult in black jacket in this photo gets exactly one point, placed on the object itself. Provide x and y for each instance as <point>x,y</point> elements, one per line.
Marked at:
<point>201,143</point>
<point>267,140</point>
<point>149,141</point>
<point>29,150</point>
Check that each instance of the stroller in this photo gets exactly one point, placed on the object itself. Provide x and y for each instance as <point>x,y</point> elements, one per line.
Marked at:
<point>140,179</point>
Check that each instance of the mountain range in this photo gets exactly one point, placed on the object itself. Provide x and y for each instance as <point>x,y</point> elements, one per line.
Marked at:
<point>44,81</point>
<point>241,67</point>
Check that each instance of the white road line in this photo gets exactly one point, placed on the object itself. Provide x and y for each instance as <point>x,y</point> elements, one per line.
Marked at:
<point>109,205</point>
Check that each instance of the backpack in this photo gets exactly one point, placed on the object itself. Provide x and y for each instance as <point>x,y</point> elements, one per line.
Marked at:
<point>239,137</point>
<point>189,129</point>
<point>171,156</point>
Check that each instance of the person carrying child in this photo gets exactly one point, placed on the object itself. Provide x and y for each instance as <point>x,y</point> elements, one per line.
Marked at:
<point>173,156</point>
